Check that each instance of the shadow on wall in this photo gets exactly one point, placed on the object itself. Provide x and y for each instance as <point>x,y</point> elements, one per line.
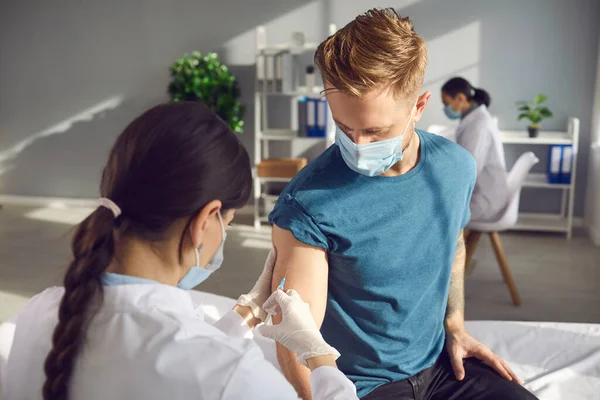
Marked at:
<point>74,148</point>
<point>91,51</point>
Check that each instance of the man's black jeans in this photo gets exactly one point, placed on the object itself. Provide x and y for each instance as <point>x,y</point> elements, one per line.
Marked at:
<point>439,383</point>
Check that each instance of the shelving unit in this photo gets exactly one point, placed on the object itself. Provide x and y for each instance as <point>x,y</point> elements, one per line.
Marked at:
<point>543,222</point>
<point>263,135</point>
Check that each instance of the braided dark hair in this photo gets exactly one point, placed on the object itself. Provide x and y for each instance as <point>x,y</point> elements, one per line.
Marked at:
<point>167,165</point>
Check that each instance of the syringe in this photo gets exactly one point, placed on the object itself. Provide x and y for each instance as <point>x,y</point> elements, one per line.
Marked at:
<point>280,287</point>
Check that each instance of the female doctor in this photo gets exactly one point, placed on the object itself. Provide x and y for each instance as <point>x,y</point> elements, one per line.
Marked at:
<point>124,326</point>
<point>478,133</point>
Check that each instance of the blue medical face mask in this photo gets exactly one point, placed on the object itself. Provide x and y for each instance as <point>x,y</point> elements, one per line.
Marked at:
<point>450,113</point>
<point>196,275</point>
<point>371,159</point>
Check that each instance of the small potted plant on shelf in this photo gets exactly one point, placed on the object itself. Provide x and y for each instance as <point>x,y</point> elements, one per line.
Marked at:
<point>535,112</point>
<point>204,79</point>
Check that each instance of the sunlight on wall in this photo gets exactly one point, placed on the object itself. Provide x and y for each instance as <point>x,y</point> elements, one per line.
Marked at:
<point>86,115</point>
<point>457,53</point>
<point>61,215</point>
<point>307,19</point>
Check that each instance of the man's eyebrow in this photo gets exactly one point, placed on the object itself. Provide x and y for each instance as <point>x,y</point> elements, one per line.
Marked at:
<point>374,128</point>
<point>339,124</point>
<point>377,128</point>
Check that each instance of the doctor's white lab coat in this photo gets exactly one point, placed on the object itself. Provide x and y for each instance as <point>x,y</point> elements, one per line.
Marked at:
<point>478,133</point>
<point>150,342</point>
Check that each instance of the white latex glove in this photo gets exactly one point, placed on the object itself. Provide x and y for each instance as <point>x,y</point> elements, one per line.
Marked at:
<point>297,330</point>
<point>261,290</point>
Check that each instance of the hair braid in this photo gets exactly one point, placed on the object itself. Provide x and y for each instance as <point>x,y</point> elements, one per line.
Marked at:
<point>93,250</point>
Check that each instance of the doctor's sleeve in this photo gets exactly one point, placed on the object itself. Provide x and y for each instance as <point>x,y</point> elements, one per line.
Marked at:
<point>289,214</point>
<point>256,378</point>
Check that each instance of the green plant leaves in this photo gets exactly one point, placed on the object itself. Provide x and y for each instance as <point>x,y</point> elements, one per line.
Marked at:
<point>540,98</point>
<point>534,112</point>
<point>204,79</point>
<point>525,108</point>
<point>545,112</point>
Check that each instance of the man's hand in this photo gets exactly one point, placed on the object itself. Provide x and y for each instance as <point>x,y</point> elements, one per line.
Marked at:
<point>461,345</point>
<point>261,290</point>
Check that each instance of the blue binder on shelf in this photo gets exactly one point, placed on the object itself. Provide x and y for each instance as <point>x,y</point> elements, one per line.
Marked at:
<point>302,116</point>
<point>312,117</point>
<point>322,111</point>
<point>560,164</point>
<point>566,165</point>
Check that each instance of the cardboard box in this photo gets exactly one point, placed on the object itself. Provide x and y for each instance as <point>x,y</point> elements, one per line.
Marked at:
<point>281,167</point>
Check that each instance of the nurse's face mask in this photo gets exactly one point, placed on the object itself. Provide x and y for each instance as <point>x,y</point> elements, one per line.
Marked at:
<point>372,159</point>
<point>453,105</point>
<point>196,275</point>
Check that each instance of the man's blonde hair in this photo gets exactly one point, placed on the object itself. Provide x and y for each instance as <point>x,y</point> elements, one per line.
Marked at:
<point>378,49</point>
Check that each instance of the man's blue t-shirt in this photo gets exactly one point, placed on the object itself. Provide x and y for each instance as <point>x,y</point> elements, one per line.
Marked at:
<point>391,243</point>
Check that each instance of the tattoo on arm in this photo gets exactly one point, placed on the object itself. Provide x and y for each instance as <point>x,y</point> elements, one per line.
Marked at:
<point>456,295</point>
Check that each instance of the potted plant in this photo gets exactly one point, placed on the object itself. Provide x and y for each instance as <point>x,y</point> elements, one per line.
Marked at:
<point>205,79</point>
<point>535,112</point>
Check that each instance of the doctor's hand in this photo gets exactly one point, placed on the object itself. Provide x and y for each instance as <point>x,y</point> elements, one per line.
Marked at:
<point>297,330</point>
<point>261,290</point>
<point>461,345</point>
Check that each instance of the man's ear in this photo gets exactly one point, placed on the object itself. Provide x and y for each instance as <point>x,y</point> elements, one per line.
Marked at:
<point>422,101</point>
<point>200,221</point>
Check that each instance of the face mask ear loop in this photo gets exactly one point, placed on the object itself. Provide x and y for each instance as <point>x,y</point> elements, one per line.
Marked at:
<point>197,251</point>
<point>411,119</point>
<point>222,225</point>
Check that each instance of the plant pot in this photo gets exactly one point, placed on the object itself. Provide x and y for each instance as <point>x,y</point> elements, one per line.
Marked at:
<point>533,131</point>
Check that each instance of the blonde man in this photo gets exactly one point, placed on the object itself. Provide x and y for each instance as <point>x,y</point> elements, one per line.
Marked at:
<point>370,233</point>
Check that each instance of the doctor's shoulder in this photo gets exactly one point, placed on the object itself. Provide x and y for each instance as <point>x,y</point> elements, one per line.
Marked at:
<point>43,304</point>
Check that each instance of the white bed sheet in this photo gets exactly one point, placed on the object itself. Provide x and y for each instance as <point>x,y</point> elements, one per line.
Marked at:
<point>557,361</point>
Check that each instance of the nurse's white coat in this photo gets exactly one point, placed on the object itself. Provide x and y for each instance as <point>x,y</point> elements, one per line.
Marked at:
<point>479,134</point>
<point>149,342</point>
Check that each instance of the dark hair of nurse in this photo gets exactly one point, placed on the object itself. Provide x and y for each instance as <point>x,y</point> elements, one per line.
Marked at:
<point>170,172</point>
<point>461,94</point>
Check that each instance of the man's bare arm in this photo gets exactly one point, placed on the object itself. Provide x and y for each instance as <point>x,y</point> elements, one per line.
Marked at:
<point>455,310</point>
<point>305,269</point>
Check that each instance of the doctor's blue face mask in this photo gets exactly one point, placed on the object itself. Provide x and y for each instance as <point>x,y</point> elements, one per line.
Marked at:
<point>196,275</point>
<point>450,113</point>
<point>371,159</point>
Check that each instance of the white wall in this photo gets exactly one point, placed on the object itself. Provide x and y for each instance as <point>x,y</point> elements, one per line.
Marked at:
<point>592,210</point>
<point>74,73</point>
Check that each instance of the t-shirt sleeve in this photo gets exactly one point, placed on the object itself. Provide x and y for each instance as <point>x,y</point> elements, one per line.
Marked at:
<point>290,215</point>
<point>471,172</point>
